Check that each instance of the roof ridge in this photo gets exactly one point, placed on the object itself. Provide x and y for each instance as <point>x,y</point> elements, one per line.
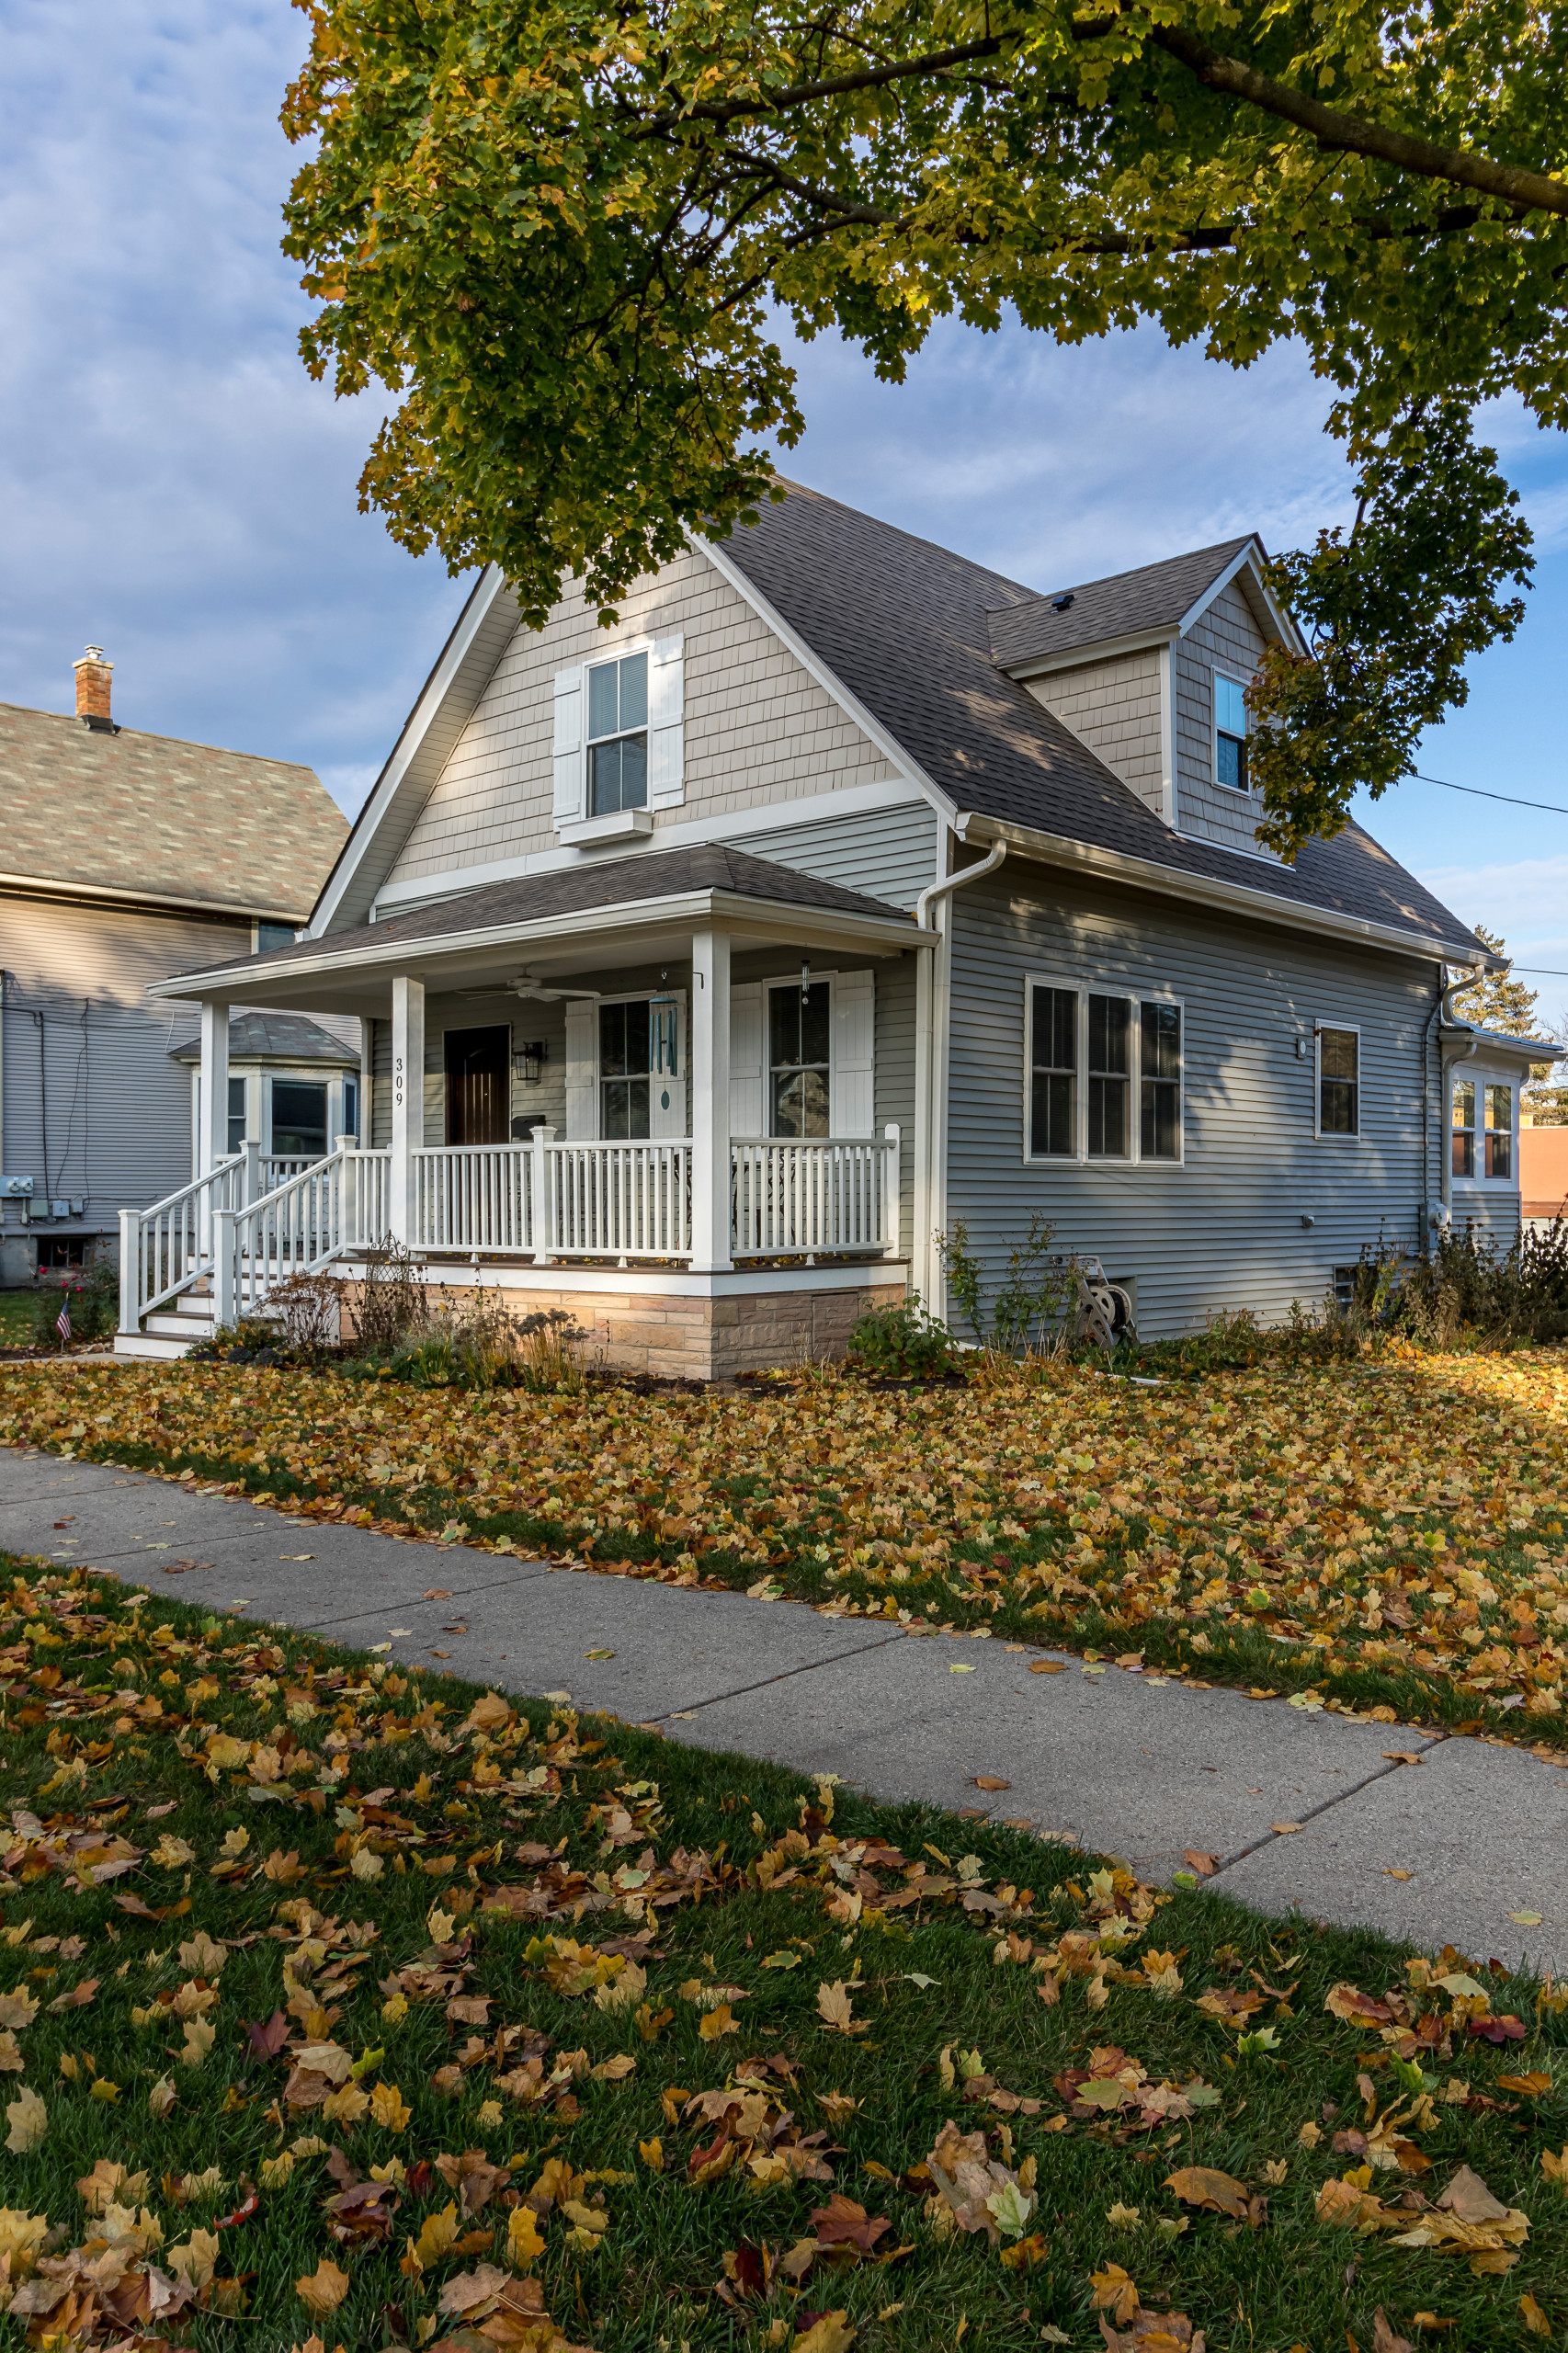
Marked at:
<point>145,735</point>
<point>1223,549</point>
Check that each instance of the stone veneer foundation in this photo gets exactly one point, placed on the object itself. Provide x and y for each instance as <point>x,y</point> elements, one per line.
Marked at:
<point>692,1335</point>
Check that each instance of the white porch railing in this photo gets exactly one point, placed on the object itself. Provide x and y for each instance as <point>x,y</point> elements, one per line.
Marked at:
<point>332,1207</point>
<point>275,1170</point>
<point>165,1248</point>
<point>793,1198</point>
<point>473,1197</point>
<point>620,1201</point>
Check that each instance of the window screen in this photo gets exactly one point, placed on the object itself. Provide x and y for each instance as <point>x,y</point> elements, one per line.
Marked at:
<point>1160,1083</point>
<point>1110,1070</point>
<point>1053,1073</point>
<point>618,735</point>
<point>797,1059</point>
<point>1339,1082</point>
<point>623,1071</point>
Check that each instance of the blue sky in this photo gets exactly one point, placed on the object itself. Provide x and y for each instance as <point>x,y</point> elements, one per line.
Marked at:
<point>176,488</point>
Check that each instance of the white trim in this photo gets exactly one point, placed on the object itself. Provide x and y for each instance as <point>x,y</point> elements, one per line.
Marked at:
<point>1093,650</point>
<point>1358,1135</point>
<point>892,750</point>
<point>1246,560</point>
<point>1084,988</point>
<point>721,825</point>
<point>645,1283</point>
<point>1203,889</point>
<point>1481,1076</point>
<point>619,825</point>
<point>1168,792</point>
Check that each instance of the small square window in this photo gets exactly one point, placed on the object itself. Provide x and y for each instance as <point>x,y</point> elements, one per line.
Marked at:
<point>1339,1082</point>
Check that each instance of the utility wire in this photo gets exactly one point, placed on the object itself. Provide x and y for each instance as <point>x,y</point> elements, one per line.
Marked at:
<point>1554,808</point>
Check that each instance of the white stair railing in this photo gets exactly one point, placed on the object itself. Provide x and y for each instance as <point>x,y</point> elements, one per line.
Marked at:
<point>620,1201</point>
<point>167,1247</point>
<point>473,1197</point>
<point>331,1208</point>
<point>795,1196</point>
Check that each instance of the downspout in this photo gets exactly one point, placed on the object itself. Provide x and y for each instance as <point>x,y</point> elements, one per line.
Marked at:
<point>931,1073</point>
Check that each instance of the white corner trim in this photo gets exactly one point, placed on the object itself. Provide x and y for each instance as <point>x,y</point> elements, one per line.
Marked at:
<point>892,750</point>
<point>1168,797</point>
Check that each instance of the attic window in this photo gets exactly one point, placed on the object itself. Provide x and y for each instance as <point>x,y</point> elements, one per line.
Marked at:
<point>1229,734</point>
<point>618,735</point>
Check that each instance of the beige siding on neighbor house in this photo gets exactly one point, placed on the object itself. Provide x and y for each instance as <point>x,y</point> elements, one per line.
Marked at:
<point>1227,637</point>
<point>1114,708</point>
<point>759,730</point>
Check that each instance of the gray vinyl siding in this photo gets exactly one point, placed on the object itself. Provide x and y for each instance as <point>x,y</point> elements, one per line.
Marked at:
<point>86,1059</point>
<point>1223,1229</point>
<point>1227,637</point>
<point>888,853</point>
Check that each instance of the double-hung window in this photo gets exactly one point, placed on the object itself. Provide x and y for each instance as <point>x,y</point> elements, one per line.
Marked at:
<point>1105,1076</point>
<point>625,1037</point>
<point>236,1115</point>
<point>1339,1082</point>
<point>798,1060</point>
<point>1230,733</point>
<point>1110,1077</point>
<point>618,736</point>
<point>1464,1127</point>
<point>1499,1131</point>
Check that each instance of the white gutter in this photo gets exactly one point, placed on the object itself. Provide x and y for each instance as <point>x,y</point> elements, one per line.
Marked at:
<point>930,1075</point>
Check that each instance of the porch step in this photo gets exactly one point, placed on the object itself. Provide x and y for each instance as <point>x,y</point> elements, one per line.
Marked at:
<point>154,1344</point>
<point>187,1327</point>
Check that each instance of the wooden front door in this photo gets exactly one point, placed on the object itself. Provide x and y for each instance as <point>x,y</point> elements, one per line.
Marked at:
<point>479,1093</point>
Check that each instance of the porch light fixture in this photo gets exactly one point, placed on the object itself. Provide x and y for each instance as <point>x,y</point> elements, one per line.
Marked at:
<point>529,1061</point>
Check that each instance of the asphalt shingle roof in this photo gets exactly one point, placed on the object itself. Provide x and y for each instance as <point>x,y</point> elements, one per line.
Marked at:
<point>148,814</point>
<point>1129,604</point>
<point>275,1037</point>
<point>585,890</point>
<point>907,628</point>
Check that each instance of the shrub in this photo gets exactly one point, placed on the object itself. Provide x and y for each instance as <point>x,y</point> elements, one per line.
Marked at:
<point>904,1343</point>
<point>1031,1310</point>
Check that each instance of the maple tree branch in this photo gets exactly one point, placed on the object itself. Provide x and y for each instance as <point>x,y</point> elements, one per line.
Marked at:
<point>870,77</point>
<point>1357,136</point>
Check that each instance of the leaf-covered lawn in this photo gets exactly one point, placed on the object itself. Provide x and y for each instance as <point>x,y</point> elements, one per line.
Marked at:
<point>340,2000</point>
<point>1377,1535</point>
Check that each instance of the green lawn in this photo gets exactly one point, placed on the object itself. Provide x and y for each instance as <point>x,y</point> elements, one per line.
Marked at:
<point>18,1311</point>
<point>466,2014</point>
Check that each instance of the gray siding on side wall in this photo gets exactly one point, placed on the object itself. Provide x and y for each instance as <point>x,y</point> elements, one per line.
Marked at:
<point>888,853</point>
<point>1225,1229</point>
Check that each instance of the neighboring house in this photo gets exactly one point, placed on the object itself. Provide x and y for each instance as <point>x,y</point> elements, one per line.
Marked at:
<point>843,891</point>
<point>1543,1174</point>
<point>294,1090</point>
<point>125,858</point>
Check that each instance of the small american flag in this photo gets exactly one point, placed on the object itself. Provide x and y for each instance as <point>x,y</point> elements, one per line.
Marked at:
<point>63,1321</point>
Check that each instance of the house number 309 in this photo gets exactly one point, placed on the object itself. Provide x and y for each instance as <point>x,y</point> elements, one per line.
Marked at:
<point>397,1083</point>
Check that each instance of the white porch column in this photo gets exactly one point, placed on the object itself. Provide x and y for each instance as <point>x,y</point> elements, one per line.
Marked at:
<point>407,1104</point>
<point>212,1142</point>
<point>213,1114</point>
<point>710,1102</point>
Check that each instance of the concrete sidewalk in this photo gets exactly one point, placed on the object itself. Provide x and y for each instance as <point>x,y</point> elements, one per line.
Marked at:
<point>1130,1765</point>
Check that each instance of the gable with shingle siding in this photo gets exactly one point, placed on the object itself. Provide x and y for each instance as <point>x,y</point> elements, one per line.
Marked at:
<point>1225,638</point>
<point>760,732</point>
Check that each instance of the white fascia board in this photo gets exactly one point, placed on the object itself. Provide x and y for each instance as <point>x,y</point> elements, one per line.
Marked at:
<point>725,825</point>
<point>892,750</point>
<point>695,907</point>
<point>1207,891</point>
<point>1094,649</point>
<point>447,703</point>
<point>42,886</point>
<point>1246,562</point>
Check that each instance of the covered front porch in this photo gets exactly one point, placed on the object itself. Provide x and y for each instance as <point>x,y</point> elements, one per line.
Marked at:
<point>673,1095</point>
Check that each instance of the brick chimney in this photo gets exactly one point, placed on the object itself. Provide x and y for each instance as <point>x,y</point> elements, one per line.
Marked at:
<point>94,679</point>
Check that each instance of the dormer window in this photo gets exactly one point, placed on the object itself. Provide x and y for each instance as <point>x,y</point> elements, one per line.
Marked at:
<point>618,735</point>
<point>1229,734</point>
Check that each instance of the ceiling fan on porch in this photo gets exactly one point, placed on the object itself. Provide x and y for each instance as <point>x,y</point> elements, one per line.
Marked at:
<point>525,985</point>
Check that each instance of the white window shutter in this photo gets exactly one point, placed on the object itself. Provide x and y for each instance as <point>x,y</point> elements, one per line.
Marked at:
<point>582,1071</point>
<point>852,1111</point>
<point>568,745</point>
<point>666,728</point>
<point>748,1114</point>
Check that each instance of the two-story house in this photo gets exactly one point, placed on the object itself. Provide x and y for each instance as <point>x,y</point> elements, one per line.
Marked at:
<point>127,857</point>
<point>716,962</point>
